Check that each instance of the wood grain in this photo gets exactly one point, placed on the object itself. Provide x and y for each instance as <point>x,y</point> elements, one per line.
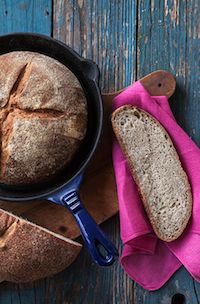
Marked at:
<point>182,283</point>
<point>26,16</point>
<point>104,31</point>
<point>128,39</point>
<point>89,46</point>
<point>157,83</point>
<point>168,38</point>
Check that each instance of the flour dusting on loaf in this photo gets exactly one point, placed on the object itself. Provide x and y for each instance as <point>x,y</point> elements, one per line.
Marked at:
<point>157,170</point>
<point>29,252</point>
<point>43,117</point>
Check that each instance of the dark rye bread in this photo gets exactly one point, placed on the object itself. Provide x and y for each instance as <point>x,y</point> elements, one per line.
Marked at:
<point>29,252</point>
<point>43,117</point>
<point>156,168</point>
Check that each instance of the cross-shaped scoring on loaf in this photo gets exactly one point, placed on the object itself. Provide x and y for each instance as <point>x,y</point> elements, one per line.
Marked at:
<point>43,117</point>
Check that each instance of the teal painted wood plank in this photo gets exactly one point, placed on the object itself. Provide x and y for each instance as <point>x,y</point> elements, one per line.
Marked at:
<point>168,38</point>
<point>104,31</point>
<point>26,16</point>
<point>181,283</point>
<point>127,42</point>
<point>162,34</point>
<point>87,283</point>
<point>10,293</point>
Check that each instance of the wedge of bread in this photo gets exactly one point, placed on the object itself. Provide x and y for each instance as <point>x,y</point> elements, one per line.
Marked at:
<point>29,252</point>
<point>157,170</point>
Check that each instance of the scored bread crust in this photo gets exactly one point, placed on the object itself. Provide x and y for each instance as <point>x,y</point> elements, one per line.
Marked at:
<point>22,132</point>
<point>43,112</point>
<point>151,216</point>
<point>29,252</point>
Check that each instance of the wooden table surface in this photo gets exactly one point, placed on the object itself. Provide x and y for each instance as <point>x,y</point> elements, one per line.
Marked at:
<point>128,39</point>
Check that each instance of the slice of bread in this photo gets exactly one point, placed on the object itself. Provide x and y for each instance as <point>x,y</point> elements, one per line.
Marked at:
<point>157,170</point>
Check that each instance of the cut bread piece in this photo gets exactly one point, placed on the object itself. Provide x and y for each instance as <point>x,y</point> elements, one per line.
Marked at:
<point>157,170</point>
<point>29,252</point>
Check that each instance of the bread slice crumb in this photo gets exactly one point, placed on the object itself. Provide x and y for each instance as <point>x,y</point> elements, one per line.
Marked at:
<point>157,170</point>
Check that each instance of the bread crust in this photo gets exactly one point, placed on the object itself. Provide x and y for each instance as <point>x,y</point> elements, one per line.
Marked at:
<point>136,178</point>
<point>29,252</point>
<point>43,117</point>
<point>23,132</point>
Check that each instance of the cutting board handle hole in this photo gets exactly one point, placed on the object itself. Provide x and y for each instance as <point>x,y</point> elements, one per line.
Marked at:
<point>178,298</point>
<point>159,84</point>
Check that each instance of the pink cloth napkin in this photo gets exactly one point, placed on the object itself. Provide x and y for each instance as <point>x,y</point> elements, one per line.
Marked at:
<point>148,260</point>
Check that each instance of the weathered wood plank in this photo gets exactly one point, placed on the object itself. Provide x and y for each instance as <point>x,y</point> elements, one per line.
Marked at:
<point>85,282</point>
<point>168,38</point>
<point>101,30</point>
<point>26,16</point>
<point>10,293</point>
<point>181,283</point>
<point>104,31</point>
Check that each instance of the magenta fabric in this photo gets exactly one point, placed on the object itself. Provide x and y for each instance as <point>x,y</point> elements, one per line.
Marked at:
<point>148,260</point>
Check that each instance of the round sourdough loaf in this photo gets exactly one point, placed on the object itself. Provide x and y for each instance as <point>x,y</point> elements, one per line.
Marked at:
<point>43,117</point>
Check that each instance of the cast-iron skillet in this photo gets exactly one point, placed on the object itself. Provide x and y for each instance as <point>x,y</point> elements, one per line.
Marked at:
<point>63,189</point>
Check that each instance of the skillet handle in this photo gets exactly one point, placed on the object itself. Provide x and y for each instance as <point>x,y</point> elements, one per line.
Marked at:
<point>100,248</point>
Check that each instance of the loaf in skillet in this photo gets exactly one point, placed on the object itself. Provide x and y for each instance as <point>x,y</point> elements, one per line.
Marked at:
<point>157,170</point>
<point>43,117</point>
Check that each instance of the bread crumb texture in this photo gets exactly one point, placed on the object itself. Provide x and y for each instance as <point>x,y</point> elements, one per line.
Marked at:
<point>157,170</point>
<point>43,117</point>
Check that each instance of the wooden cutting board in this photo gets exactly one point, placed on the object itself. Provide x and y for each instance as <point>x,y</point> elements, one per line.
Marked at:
<point>98,191</point>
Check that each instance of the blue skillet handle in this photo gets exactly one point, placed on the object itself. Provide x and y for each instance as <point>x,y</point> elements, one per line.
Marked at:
<point>101,249</point>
